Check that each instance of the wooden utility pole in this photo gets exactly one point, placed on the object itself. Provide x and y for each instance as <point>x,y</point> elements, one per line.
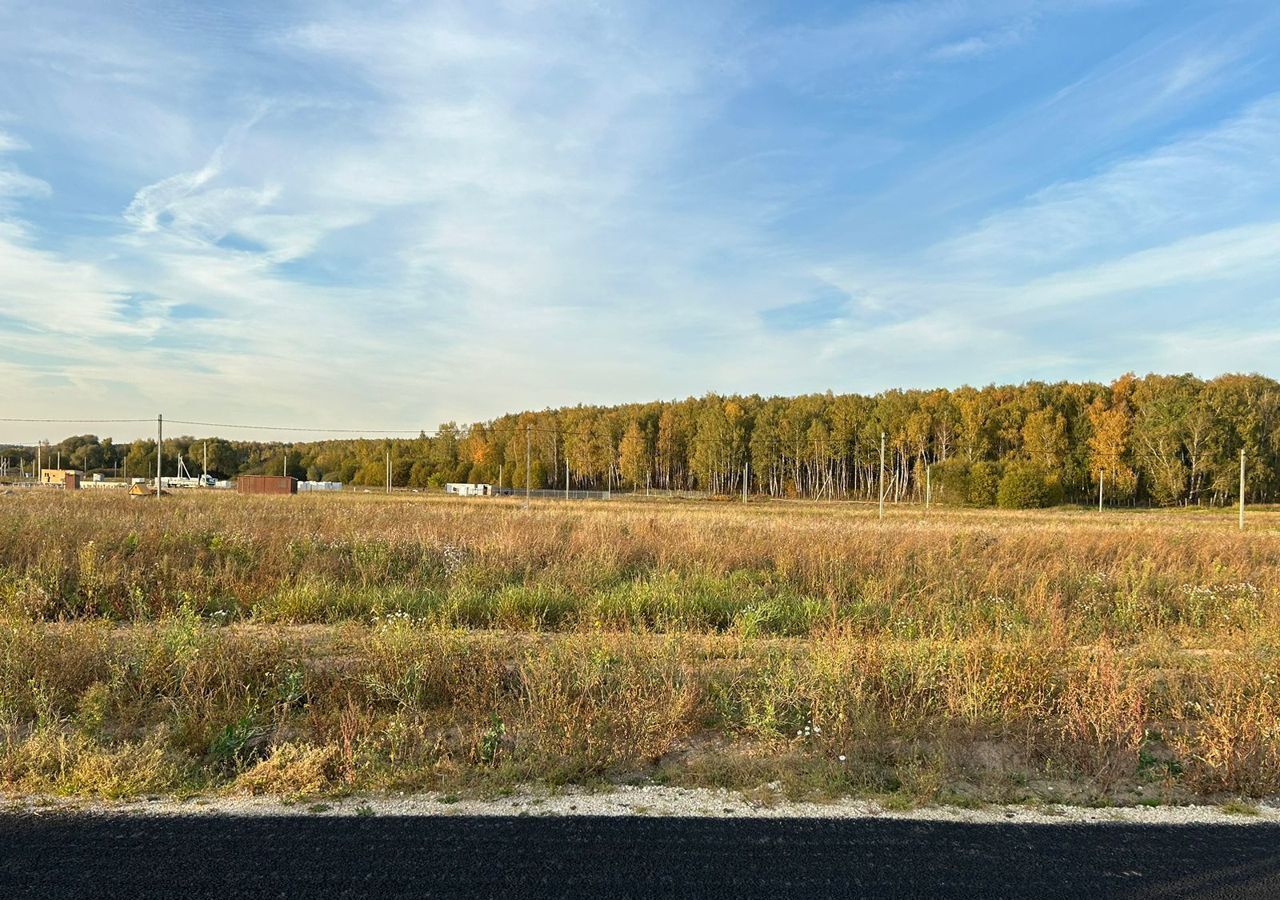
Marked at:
<point>882,474</point>
<point>159,450</point>
<point>1242,489</point>
<point>566,476</point>
<point>388,470</point>
<point>528,463</point>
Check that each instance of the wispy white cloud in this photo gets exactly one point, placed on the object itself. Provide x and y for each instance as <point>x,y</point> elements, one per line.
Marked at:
<point>1229,254</point>
<point>176,196</point>
<point>13,181</point>
<point>57,295</point>
<point>1201,180</point>
<point>9,143</point>
<point>979,45</point>
<point>1191,217</point>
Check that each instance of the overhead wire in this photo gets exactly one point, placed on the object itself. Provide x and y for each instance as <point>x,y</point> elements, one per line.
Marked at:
<point>304,428</point>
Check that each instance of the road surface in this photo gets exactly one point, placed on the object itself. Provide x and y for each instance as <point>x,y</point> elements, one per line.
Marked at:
<point>61,855</point>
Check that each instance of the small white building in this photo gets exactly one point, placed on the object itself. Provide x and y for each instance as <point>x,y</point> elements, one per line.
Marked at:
<point>305,486</point>
<point>469,490</point>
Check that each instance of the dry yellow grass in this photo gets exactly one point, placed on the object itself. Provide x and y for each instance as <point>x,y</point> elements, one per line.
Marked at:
<point>310,644</point>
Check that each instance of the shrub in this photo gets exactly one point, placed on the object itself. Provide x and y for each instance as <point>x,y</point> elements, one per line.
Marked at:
<point>984,481</point>
<point>1026,485</point>
<point>951,481</point>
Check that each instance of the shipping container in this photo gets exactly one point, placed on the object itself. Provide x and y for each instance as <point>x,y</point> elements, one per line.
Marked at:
<point>267,484</point>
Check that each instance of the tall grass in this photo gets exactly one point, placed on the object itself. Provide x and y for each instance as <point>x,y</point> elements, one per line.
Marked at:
<point>780,569</point>
<point>91,709</point>
<point>295,645</point>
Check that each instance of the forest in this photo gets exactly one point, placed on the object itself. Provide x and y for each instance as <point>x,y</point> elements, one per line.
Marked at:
<point>1162,440</point>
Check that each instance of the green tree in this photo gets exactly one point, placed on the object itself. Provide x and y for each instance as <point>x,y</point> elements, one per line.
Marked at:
<point>633,456</point>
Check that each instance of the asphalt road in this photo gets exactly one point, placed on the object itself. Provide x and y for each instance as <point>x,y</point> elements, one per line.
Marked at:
<point>57,855</point>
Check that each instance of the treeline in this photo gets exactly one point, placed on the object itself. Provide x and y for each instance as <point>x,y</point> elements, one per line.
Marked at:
<point>1162,439</point>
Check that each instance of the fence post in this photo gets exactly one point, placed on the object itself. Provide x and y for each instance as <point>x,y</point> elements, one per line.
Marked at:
<point>882,474</point>
<point>1242,489</point>
<point>159,452</point>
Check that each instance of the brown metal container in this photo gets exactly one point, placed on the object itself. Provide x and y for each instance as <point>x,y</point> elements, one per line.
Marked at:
<point>266,484</point>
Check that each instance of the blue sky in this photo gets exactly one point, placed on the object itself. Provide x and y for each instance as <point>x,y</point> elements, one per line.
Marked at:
<point>398,214</point>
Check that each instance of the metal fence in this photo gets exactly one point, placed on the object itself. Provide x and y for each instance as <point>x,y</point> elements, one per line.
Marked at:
<point>562,494</point>
<point>552,494</point>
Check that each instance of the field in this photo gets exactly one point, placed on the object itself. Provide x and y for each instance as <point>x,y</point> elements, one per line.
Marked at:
<point>328,644</point>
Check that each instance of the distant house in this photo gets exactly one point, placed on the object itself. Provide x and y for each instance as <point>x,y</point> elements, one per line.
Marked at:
<point>469,490</point>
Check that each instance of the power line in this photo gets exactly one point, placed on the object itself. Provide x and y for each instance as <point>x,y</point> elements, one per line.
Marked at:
<point>76,421</point>
<point>47,421</point>
<point>304,428</point>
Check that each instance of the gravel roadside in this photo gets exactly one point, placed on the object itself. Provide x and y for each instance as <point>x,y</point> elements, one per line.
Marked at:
<point>647,800</point>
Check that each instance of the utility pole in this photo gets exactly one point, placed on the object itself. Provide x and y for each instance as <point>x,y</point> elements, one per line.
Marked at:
<point>928,486</point>
<point>882,474</point>
<point>388,470</point>
<point>1101,476</point>
<point>204,467</point>
<point>566,476</point>
<point>528,463</point>
<point>159,451</point>
<point>746,473</point>
<point>1242,489</point>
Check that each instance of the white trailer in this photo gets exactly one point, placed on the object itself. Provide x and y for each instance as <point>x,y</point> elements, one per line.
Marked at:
<point>304,486</point>
<point>469,490</point>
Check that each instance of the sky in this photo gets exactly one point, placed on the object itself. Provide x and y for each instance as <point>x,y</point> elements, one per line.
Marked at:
<point>391,215</point>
